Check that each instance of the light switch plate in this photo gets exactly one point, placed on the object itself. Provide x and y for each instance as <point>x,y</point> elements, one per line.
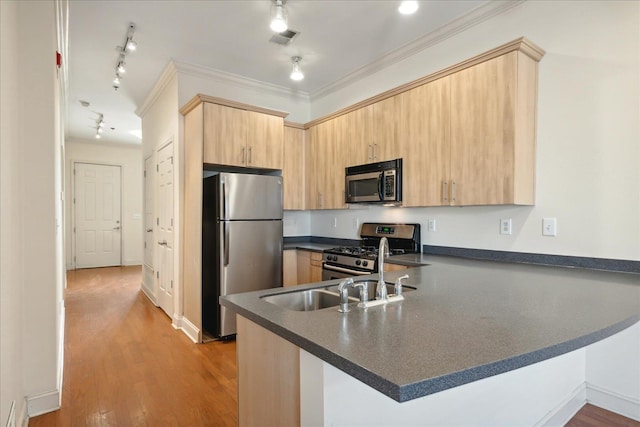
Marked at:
<point>505,226</point>
<point>431,225</point>
<point>549,227</point>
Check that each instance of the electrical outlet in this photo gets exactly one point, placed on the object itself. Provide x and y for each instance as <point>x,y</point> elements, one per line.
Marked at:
<point>356,223</point>
<point>335,222</point>
<point>549,227</point>
<point>431,225</point>
<point>505,226</point>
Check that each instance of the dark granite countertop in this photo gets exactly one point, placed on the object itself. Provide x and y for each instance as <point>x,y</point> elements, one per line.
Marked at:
<point>467,320</point>
<point>308,246</point>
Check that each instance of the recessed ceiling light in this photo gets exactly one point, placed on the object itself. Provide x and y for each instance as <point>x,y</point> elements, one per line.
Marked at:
<point>408,7</point>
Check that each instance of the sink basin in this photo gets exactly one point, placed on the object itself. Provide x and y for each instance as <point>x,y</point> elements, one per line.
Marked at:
<point>311,299</point>
<point>371,288</point>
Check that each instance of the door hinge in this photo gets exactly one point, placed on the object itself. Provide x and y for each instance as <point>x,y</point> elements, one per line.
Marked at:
<point>145,245</point>
<point>172,222</point>
<point>74,171</point>
<point>145,174</point>
<point>157,221</point>
<point>74,259</point>
<point>158,274</point>
<point>157,168</point>
<point>171,159</point>
<point>74,229</point>
<point>74,200</point>
<point>171,284</point>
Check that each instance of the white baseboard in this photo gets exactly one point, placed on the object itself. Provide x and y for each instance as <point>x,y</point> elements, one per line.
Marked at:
<point>189,329</point>
<point>561,414</point>
<point>43,403</point>
<point>149,294</point>
<point>614,402</point>
<point>128,262</point>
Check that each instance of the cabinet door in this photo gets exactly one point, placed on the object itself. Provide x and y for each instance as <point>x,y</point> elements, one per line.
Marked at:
<point>293,170</point>
<point>482,132</point>
<point>289,267</point>
<point>225,135</point>
<point>384,123</point>
<point>316,267</point>
<point>264,140</point>
<point>304,267</point>
<point>423,134</point>
<point>312,169</point>
<point>357,126</point>
<point>326,160</point>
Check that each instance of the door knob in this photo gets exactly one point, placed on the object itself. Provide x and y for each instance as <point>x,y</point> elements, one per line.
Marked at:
<point>163,242</point>
<point>116,228</point>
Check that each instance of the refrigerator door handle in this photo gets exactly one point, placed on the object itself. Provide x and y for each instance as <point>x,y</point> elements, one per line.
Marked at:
<point>226,243</point>
<point>225,207</point>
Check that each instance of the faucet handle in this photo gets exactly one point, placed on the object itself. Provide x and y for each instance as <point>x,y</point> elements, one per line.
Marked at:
<point>397,287</point>
<point>344,294</point>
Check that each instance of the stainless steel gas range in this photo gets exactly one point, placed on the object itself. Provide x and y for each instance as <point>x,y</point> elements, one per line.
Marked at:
<point>349,261</point>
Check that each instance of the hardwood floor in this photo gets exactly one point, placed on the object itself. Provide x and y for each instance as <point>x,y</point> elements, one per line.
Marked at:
<point>592,416</point>
<point>124,365</point>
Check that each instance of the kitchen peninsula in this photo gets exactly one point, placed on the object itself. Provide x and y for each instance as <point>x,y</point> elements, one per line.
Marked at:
<point>477,342</point>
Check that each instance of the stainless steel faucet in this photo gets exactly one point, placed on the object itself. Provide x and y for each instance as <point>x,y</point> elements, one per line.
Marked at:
<point>344,294</point>
<point>397,288</point>
<point>383,251</point>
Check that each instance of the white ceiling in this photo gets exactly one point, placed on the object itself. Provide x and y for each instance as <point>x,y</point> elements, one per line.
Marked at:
<point>336,38</point>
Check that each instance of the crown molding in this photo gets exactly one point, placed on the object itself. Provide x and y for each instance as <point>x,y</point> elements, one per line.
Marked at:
<point>238,81</point>
<point>169,72</point>
<point>476,16</point>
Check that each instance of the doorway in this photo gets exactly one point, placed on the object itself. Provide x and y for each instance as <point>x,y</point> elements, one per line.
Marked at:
<point>97,215</point>
<point>165,257</point>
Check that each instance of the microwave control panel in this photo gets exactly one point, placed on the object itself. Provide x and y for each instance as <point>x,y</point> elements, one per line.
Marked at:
<point>389,184</point>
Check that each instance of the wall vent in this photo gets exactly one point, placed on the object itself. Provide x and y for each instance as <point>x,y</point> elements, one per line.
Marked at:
<point>284,38</point>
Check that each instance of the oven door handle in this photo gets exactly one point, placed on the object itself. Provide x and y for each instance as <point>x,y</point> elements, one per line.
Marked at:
<point>346,270</point>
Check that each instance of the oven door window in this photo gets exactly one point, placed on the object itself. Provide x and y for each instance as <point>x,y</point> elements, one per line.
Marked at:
<point>363,187</point>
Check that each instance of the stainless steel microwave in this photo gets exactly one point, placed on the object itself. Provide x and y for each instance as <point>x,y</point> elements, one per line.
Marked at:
<point>374,183</point>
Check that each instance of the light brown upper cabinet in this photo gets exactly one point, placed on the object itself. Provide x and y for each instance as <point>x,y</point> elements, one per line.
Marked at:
<point>327,157</point>
<point>238,137</point>
<point>373,132</point>
<point>424,140</point>
<point>293,171</point>
<point>493,111</point>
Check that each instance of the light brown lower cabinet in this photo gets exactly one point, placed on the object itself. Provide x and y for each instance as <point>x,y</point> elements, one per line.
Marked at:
<point>289,267</point>
<point>309,266</point>
<point>394,267</point>
<point>268,377</point>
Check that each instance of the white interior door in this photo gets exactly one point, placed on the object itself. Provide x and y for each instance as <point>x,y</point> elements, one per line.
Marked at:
<point>164,268</point>
<point>148,212</point>
<point>97,215</point>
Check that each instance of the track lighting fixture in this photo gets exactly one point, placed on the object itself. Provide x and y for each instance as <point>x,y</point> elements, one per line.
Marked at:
<point>128,46</point>
<point>296,72</point>
<point>99,125</point>
<point>278,16</point>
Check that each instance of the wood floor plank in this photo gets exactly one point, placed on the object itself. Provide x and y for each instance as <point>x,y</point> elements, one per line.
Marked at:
<point>593,416</point>
<point>125,365</point>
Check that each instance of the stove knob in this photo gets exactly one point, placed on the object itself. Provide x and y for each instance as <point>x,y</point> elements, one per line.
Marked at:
<point>358,262</point>
<point>335,258</point>
<point>365,263</point>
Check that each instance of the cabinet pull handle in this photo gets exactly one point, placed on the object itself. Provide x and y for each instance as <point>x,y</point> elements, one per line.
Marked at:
<point>250,147</point>
<point>375,151</point>
<point>445,195</point>
<point>320,199</point>
<point>369,152</point>
<point>453,191</point>
<point>244,155</point>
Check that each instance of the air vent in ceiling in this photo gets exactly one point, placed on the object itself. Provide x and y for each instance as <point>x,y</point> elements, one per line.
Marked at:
<point>284,38</point>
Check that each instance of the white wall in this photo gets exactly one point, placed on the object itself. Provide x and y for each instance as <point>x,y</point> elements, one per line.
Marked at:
<point>11,224</point>
<point>588,130</point>
<point>129,158</point>
<point>31,212</point>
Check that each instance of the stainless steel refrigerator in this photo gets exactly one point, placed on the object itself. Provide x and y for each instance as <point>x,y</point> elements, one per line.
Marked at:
<point>241,243</point>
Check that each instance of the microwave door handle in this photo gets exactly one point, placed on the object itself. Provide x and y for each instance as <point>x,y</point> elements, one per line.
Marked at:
<point>381,186</point>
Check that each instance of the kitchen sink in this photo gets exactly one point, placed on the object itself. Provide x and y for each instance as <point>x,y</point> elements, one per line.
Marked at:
<point>309,300</point>
<point>371,288</point>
